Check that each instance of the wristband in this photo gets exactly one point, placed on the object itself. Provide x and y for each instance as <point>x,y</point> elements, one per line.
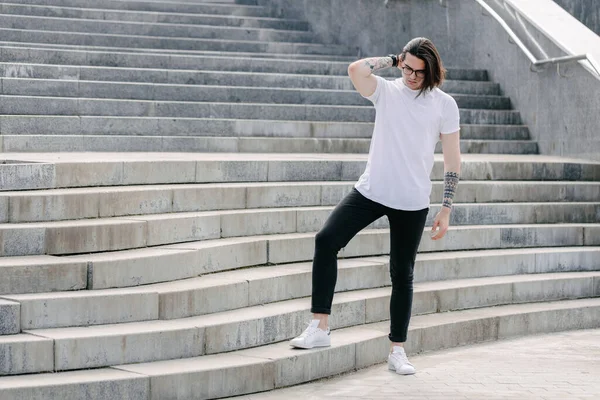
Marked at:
<point>394,60</point>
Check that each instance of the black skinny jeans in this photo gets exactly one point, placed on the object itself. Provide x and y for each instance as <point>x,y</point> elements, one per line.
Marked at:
<point>350,216</point>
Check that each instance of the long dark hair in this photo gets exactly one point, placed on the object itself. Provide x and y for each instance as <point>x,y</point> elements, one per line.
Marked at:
<point>435,73</point>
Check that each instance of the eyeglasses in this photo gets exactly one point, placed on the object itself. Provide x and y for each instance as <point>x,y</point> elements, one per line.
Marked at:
<point>418,73</point>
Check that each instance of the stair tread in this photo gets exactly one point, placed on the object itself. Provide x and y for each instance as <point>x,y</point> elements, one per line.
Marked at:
<point>277,308</point>
<point>122,11</point>
<point>259,273</point>
<point>136,218</point>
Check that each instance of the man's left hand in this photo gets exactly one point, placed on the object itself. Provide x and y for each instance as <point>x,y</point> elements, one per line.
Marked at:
<point>440,224</point>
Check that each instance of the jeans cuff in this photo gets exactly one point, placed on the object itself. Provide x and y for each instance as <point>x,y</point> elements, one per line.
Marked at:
<point>320,310</point>
<point>397,339</point>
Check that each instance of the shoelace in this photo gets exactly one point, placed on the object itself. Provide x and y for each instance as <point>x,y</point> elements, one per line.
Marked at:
<point>401,357</point>
<point>308,331</point>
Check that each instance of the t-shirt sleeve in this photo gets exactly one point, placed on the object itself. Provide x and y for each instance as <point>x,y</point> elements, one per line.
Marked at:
<point>450,117</point>
<point>379,91</point>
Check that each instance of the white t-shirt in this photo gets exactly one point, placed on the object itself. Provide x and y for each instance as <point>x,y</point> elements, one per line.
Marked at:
<point>403,143</point>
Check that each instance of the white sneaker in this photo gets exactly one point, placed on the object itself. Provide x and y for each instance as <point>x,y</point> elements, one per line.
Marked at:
<point>397,361</point>
<point>312,336</point>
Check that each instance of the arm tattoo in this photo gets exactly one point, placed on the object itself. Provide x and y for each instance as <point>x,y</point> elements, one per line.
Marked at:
<point>450,183</point>
<point>378,63</point>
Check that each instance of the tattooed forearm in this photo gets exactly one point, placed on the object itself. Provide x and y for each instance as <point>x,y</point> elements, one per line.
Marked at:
<point>377,63</point>
<point>450,183</point>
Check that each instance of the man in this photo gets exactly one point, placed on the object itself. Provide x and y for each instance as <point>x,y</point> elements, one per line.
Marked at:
<point>412,115</point>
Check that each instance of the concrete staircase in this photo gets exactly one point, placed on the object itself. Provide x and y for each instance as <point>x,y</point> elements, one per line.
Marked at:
<point>181,271</point>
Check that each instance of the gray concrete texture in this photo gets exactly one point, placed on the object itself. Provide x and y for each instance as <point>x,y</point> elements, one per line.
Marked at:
<point>125,41</point>
<point>180,31</point>
<point>238,289</point>
<point>125,143</point>
<point>153,17</point>
<point>225,78</point>
<point>227,129</point>
<point>560,112</point>
<point>276,365</point>
<point>214,93</point>
<point>33,105</point>
<point>474,373</point>
<point>178,7</point>
<point>70,204</point>
<point>110,234</point>
<point>91,347</point>
<point>586,11</point>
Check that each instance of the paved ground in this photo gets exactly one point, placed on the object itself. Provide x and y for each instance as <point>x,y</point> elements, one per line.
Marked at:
<point>561,366</point>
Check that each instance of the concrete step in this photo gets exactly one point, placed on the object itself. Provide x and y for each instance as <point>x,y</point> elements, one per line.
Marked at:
<point>102,202</point>
<point>226,291</point>
<point>148,29</point>
<point>107,382</point>
<point>215,78</point>
<point>154,53</point>
<point>42,274</point>
<point>224,128</point>
<point>176,43</point>
<point>277,365</point>
<point>101,346</point>
<point>138,231</point>
<point>205,7</point>
<point>129,268</point>
<point>153,17</point>
<point>274,366</point>
<point>259,62</point>
<point>10,317</point>
<point>36,105</point>
<point>65,170</point>
<point>61,143</point>
<point>212,93</point>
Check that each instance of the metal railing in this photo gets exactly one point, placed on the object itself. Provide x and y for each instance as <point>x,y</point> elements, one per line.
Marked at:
<point>534,61</point>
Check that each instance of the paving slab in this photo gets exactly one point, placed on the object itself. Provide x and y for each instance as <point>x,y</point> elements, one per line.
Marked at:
<point>475,372</point>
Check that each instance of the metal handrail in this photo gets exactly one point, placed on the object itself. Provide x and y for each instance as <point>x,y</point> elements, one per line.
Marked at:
<point>534,61</point>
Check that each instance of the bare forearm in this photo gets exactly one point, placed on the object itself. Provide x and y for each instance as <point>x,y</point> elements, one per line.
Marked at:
<point>367,66</point>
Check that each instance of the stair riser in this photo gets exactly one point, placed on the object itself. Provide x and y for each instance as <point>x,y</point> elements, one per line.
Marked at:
<point>212,63</point>
<point>141,231</point>
<point>85,39</point>
<point>108,383</point>
<point>32,207</point>
<point>147,29</point>
<point>152,17</point>
<point>112,271</point>
<point>10,320</point>
<point>160,302</point>
<point>252,370</point>
<point>52,143</point>
<point>125,126</point>
<point>64,106</point>
<point>105,90</point>
<point>186,340</point>
<point>117,173</point>
<point>157,6</point>
<point>218,78</point>
<point>10,47</point>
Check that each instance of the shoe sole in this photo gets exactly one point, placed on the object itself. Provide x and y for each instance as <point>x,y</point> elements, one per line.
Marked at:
<point>391,368</point>
<point>310,347</point>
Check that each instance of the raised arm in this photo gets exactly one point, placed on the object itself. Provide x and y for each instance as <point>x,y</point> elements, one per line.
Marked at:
<point>361,73</point>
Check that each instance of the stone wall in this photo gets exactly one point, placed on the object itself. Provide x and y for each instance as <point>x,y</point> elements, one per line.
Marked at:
<point>586,11</point>
<point>374,27</point>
